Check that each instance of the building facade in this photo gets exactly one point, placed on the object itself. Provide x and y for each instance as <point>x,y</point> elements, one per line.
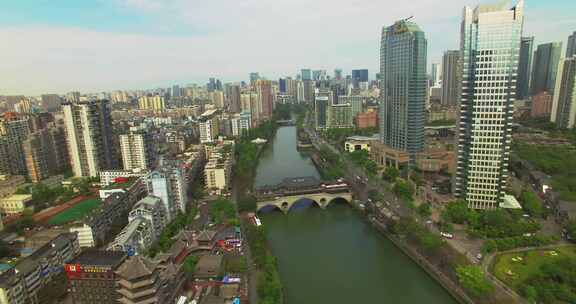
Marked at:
<point>564,104</point>
<point>137,150</point>
<point>490,46</point>
<point>541,105</point>
<point>451,78</point>
<point>89,137</point>
<point>524,68</point>
<point>322,101</point>
<point>403,87</point>
<point>545,68</point>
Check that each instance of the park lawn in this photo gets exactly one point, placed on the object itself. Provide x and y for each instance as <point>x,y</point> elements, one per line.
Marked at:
<point>78,211</point>
<point>529,266</point>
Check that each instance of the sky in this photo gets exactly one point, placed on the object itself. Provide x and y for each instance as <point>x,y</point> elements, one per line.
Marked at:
<point>57,46</point>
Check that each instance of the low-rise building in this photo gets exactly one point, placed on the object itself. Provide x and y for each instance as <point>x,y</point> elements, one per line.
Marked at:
<point>10,183</point>
<point>135,238</point>
<point>367,119</point>
<point>92,278</point>
<point>386,156</point>
<point>15,204</point>
<point>39,268</point>
<point>356,143</point>
<point>12,288</point>
<point>142,281</point>
<point>108,177</point>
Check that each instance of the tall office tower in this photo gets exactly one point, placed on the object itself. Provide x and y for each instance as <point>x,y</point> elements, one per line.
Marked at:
<point>309,88</point>
<point>436,75</point>
<point>155,103</point>
<point>253,77</point>
<point>524,68</point>
<point>451,78</point>
<point>45,153</point>
<point>564,104</point>
<point>282,85</point>
<point>322,100</point>
<point>359,76</point>
<point>545,67</point>
<point>571,48</point>
<point>176,91</point>
<point>264,89</point>
<point>338,74</point>
<point>306,74</point>
<point>137,148</point>
<point>217,98</point>
<point>234,98</point>
<point>490,46</point>
<point>403,87</point>
<point>89,136</point>
<point>50,102</point>
<point>14,129</point>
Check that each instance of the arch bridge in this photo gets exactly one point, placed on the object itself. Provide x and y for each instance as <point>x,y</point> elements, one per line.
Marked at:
<point>291,190</point>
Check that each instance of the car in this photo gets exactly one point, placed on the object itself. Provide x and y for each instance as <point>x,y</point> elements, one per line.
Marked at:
<point>447,235</point>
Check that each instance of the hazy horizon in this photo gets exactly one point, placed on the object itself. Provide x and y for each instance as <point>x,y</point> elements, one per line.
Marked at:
<point>103,45</point>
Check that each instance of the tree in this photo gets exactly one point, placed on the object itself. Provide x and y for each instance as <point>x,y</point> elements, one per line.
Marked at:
<point>190,264</point>
<point>532,204</point>
<point>403,189</point>
<point>390,174</point>
<point>473,280</point>
<point>222,210</point>
<point>456,212</point>
<point>424,210</point>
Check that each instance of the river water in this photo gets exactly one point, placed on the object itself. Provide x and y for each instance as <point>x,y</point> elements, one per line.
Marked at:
<point>333,256</point>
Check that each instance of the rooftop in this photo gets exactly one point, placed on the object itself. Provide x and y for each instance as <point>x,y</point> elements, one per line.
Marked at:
<point>136,267</point>
<point>208,266</point>
<point>100,258</point>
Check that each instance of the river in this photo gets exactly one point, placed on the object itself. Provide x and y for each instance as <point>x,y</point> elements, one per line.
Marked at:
<point>333,256</point>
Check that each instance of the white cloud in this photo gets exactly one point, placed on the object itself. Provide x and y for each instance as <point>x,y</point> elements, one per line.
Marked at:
<point>230,39</point>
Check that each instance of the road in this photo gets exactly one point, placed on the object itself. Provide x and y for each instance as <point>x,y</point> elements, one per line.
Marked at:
<point>361,184</point>
<point>252,271</point>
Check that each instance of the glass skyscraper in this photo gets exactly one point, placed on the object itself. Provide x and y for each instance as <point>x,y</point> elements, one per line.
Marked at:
<point>403,87</point>
<point>490,47</point>
<point>524,68</point>
<point>546,59</point>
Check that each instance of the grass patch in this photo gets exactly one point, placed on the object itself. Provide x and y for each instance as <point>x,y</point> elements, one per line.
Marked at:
<point>76,212</point>
<point>515,273</point>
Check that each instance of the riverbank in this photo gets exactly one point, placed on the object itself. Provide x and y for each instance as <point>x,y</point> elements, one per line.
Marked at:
<point>334,255</point>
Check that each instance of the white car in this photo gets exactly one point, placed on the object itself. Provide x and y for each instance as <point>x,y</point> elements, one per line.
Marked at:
<point>447,235</point>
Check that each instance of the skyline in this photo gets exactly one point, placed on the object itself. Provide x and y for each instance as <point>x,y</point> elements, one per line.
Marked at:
<point>153,43</point>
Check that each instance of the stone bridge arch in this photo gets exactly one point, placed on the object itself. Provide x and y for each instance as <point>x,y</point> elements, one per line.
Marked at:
<point>322,199</point>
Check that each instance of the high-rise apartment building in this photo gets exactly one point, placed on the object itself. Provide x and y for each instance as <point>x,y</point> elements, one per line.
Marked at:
<point>155,103</point>
<point>137,149</point>
<point>45,153</point>
<point>355,101</point>
<point>545,68</point>
<point>209,125</point>
<point>524,68</point>
<point>176,92</point>
<point>309,89</point>
<point>50,102</point>
<point>233,97</point>
<point>490,47</point>
<point>571,47</point>
<point>403,87</point>
<point>451,77</point>
<point>564,104</point>
<point>89,136</point>
<point>264,90</point>
<point>14,129</point>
